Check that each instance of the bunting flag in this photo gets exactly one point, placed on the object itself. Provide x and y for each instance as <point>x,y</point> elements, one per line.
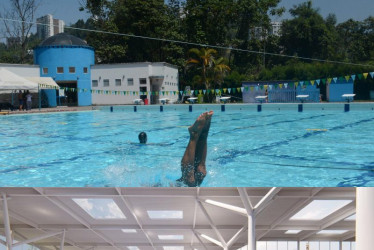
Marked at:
<point>335,79</point>
<point>359,76</point>
<point>296,84</point>
<point>270,87</point>
<point>200,91</point>
<point>365,75</point>
<point>251,88</point>
<point>286,85</point>
<point>372,74</point>
<point>312,82</point>
<point>329,80</point>
<point>280,85</point>
<point>242,89</point>
<point>204,91</point>
<point>347,78</point>
<point>246,88</point>
<point>229,89</point>
<point>301,83</point>
<point>353,77</point>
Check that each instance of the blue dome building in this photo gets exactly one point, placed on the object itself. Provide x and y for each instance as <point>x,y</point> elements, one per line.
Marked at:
<point>68,60</point>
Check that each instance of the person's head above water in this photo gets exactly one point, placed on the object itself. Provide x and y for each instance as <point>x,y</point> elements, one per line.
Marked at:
<point>142,137</point>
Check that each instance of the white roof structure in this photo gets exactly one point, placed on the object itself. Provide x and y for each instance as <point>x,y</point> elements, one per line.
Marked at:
<point>12,81</point>
<point>174,218</point>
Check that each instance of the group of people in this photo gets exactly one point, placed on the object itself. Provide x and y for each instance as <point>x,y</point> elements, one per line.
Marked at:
<point>24,100</point>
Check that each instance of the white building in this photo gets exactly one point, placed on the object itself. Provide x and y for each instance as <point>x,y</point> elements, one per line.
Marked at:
<point>47,26</point>
<point>148,81</point>
<point>257,33</point>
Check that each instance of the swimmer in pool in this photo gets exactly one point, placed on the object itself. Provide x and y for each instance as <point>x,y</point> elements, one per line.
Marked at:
<point>193,161</point>
<point>142,138</point>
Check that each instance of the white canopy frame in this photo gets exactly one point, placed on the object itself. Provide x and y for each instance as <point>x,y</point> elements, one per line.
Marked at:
<point>12,82</point>
<point>26,217</point>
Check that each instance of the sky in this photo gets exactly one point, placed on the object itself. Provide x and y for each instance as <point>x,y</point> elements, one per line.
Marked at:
<point>68,10</point>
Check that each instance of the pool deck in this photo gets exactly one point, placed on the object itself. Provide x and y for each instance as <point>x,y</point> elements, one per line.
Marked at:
<point>46,110</point>
<point>244,106</point>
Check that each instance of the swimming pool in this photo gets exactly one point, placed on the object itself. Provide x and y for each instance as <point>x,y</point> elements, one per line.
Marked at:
<point>322,146</point>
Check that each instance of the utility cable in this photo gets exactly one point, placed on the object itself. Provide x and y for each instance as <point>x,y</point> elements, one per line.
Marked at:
<point>197,44</point>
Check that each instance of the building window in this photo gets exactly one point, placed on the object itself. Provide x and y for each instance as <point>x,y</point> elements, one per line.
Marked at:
<point>60,70</point>
<point>143,81</point>
<point>118,82</point>
<point>45,70</point>
<point>72,70</point>
<point>95,83</point>
<point>106,82</point>
<point>85,70</point>
<point>130,82</point>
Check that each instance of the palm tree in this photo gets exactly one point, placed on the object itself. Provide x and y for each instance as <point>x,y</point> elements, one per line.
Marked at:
<point>203,59</point>
<point>220,70</point>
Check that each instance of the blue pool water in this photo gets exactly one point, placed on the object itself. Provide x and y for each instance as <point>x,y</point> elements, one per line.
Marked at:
<point>277,147</point>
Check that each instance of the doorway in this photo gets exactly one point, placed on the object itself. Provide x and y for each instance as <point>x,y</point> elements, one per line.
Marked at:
<point>69,98</point>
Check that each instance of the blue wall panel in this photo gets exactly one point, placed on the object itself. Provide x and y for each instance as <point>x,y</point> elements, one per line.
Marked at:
<point>79,57</point>
<point>336,90</point>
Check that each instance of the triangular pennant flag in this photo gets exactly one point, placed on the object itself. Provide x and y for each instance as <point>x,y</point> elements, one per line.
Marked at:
<point>329,80</point>
<point>200,91</point>
<point>301,83</point>
<point>323,80</point>
<point>365,75</point>
<point>251,88</point>
<point>285,85</point>
<point>256,88</point>
<point>335,79</point>
<point>224,90</point>
<point>270,87</point>
<point>238,89</point>
<point>280,85</point>
<point>372,74</point>
<point>359,76</point>
<point>347,78</point>
<point>217,90</point>
<point>242,89</point>
<point>196,92</point>
<point>246,88</point>
<point>353,77</point>
<point>341,79</point>
<point>212,91</point>
<point>229,89</point>
<point>266,86</point>
<point>204,91</point>
<point>234,90</point>
<point>296,84</point>
<point>312,82</point>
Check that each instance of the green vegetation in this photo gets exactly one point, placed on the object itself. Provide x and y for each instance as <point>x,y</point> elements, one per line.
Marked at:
<point>227,24</point>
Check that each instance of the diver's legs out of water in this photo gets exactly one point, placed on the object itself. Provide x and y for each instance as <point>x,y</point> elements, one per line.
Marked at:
<point>193,161</point>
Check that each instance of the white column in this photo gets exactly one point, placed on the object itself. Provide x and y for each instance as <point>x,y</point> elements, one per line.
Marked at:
<point>8,234</point>
<point>340,245</point>
<point>364,218</point>
<point>251,232</point>
<point>298,245</point>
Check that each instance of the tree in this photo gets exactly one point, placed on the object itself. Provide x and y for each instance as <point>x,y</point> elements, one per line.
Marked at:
<point>203,60</point>
<point>24,11</point>
<point>306,35</point>
<point>220,70</point>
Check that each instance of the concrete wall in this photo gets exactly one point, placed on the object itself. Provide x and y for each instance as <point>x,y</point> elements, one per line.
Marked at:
<point>80,57</point>
<point>159,77</point>
<point>24,70</point>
